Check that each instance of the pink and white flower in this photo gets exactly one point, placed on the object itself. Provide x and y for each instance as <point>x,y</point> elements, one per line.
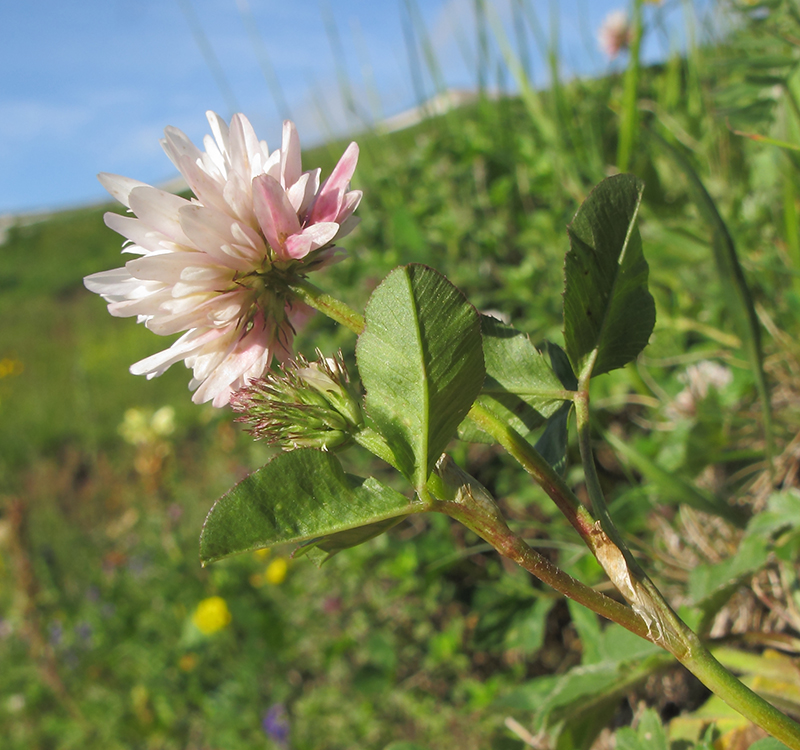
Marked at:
<point>216,266</point>
<point>615,33</point>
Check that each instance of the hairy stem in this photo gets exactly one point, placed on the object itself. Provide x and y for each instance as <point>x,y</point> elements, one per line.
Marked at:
<point>544,474</point>
<point>649,616</point>
<point>473,506</point>
<point>328,305</point>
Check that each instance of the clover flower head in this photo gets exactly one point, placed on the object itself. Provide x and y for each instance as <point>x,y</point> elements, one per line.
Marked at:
<point>614,34</point>
<point>700,379</point>
<point>216,267</point>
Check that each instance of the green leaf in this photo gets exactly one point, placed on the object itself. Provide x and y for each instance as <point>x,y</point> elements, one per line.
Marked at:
<point>511,621</point>
<point>768,743</point>
<point>608,312</point>
<point>783,509</point>
<point>298,496</point>
<point>648,735</point>
<point>735,289</point>
<point>611,644</point>
<point>588,626</point>
<point>552,444</point>
<point>552,692</point>
<point>527,628</point>
<point>561,366</point>
<point>515,368</point>
<point>421,363</point>
<point>581,689</point>
<point>322,550</point>
<point>522,388</point>
<point>580,732</point>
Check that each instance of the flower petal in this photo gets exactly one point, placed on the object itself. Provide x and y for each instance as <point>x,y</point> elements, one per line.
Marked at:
<point>311,238</point>
<point>350,204</point>
<point>159,210</point>
<point>220,130</point>
<point>330,197</point>
<point>291,165</point>
<point>243,145</point>
<point>177,145</point>
<point>119,187</point>
<point>157,364</point>
<point>203,265</point>
<point>250,352</point>
<point>274,212</point>
<point>302,193</point>
<point>210,231</point>
<point>145,239</point>
<point>207,188</point>
<point>238,195</point>
<point>347,226</point>
<point>113,285</point>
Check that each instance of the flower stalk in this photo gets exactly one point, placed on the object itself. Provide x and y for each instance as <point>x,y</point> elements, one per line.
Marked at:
<point>335,309</point>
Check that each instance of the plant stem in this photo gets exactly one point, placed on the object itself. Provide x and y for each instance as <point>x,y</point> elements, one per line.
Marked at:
<point>472,506</point>
<point>544,474</point>
<point>649,616</point>
<point>330,306</point>
<point>645,598</point>
<point>702,664</point>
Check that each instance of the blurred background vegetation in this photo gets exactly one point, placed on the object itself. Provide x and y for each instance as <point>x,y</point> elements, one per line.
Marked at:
<point>112,636</point>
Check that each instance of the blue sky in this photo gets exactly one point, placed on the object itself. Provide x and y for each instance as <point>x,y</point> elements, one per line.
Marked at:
<point>87,87</point>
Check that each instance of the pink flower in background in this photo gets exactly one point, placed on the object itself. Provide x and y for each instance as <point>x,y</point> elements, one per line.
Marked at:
<point>215,266</point>
<point>615,33</point>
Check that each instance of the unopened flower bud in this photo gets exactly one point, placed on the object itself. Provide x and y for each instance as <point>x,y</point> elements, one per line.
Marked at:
<point>306,404</point>
<point>330,378</point>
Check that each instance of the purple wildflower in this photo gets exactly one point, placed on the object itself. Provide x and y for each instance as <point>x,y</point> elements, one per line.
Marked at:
<point>276,724</point>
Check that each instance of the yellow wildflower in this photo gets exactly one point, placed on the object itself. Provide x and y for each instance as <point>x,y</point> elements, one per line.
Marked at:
<point>276,571</point>
<point>211,615</point>
<point>145,427</point>
<point>10,367</point>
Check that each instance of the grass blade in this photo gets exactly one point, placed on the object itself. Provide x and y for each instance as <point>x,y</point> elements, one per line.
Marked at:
<point>734,284</point>
<point>672,487</point>
<point>629,116</point>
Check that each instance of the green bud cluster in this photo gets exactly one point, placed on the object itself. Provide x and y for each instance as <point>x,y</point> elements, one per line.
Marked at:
<point>303,405</point>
